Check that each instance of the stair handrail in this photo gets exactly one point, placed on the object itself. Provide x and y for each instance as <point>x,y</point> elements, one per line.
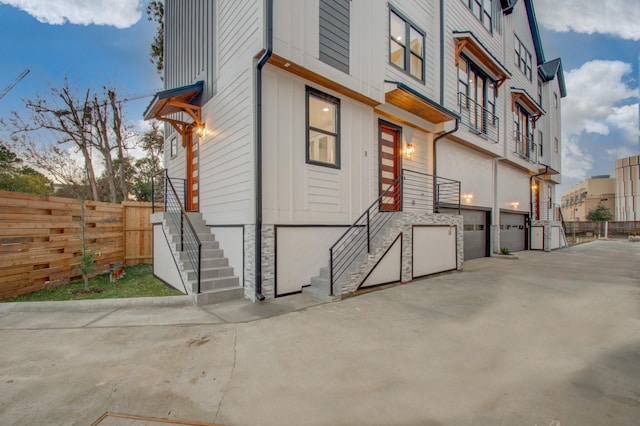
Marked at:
<point>185,225</point>
<point>397,197</point>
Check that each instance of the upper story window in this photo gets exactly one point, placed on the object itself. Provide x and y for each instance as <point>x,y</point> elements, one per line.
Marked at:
<point>477,99</point>
<point>323,129</point>
<point>523,58</point>
<point>523,126</point>
<point>482,10</point>
<point>406,45</point>
<point>540,143</point>
<point>555,100</point>
<point>539,92</point>
<point>173,146</point>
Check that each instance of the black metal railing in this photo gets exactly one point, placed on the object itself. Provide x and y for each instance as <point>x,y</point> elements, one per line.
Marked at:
<point>411,191</point>
<point>526,147</point>
<point>173,197</point>
<point>478,119</point>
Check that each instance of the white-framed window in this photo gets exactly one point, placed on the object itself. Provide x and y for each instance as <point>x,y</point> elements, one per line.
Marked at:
<point>482,9</point>
<point>406,45</point>
<point>555,100</point>
<point>323,129</point>
<point>523,58</point>
<point>556,145</point>
<point>540,92</point>
<point>173,146</point>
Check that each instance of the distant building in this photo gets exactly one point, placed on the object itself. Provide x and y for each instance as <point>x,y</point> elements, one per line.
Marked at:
<point>628,188</point>
<point>578,200</point>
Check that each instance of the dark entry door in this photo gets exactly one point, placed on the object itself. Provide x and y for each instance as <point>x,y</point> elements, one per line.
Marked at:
<point>389,167</point>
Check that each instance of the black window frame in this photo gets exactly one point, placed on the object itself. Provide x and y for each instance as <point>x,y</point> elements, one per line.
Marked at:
<point>489,84</point>
<point>523,58</point>
<point>310,91</point>
<point>408,25</point>
<point>482,15</point>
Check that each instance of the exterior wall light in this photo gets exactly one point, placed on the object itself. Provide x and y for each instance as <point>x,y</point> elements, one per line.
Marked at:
<point>468,197</point>
<point>409,150</point>
<point>201,130</point>
<point>515,205</point>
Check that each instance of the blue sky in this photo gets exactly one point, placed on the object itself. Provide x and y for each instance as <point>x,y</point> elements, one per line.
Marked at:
<point>106,42</point>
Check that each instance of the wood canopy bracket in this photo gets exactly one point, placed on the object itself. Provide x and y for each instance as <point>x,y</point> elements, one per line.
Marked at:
<point>467,42</point>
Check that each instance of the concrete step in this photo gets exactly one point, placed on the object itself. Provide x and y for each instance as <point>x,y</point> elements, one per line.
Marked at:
<point>206,254</point>
<point>325,272</point>
<point>206,243</point>
<point>219,295</point>
<point>319,293</point>
<point>210,284</point>
<point>320,282</point>
<point>214,272</point>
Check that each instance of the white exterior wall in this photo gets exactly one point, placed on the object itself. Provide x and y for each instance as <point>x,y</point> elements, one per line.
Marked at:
<point>295,192</point>
<point>227,150</point>
<point>472,169</point>
<point>513,189</point>
<point>296,38</point>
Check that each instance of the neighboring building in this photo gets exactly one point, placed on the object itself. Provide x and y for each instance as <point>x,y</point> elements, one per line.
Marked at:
<point>583,197</point>
<point>357,126</point>
<point>628,188</point>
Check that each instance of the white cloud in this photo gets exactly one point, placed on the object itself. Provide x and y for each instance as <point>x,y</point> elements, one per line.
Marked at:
<point>598,101</point>
<point>576,163</point>
<point>117,13</point>
<point>616,17</point>
<point>594,92</point>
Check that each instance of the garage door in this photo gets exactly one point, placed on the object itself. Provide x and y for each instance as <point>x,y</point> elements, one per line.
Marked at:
<point>475,233</point>
<point>513,231</point>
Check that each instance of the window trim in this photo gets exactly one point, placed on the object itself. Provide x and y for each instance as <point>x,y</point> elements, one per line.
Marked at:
<point>488,85</point>
<point>310,91</point>
<point>483,11</point>
<point>173,146</point>
<point>519,59</point>
<point>407,48</point>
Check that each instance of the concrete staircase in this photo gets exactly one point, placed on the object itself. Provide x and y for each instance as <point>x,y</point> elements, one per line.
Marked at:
<point>217,281</point>
<point>358,269</point>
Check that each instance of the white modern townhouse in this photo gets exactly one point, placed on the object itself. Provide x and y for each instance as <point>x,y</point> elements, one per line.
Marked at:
<point>328,146</point>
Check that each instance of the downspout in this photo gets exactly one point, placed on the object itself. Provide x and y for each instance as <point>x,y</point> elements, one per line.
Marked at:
<point>435,158</point>
<point>268,10</point>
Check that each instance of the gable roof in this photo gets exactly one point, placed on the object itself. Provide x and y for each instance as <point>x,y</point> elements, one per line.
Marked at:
<point>550,69</point>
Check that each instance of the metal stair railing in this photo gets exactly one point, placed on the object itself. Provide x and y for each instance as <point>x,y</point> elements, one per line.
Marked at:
<point>177,217</point>
<point>411,191</point>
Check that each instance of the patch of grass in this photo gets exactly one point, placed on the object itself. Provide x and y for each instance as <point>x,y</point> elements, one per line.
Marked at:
<point>138,281</point>
<point>505,250</point>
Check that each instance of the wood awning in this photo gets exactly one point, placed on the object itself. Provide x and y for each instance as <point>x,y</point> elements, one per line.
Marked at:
<point>521,97</point>
<point>174,101</point>
<point>408,99</point>
<point>466,41</point>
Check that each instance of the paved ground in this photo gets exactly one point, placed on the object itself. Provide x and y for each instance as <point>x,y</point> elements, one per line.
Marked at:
<point>549,339</point>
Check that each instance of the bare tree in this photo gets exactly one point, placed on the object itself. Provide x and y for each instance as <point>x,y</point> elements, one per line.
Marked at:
<point>92,123</point>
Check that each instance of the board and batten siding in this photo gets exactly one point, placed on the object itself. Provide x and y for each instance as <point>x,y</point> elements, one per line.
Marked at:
<point>472,169</point>
<point>297,37</point>
<point>295,192</point>
<point>189,44</point>
<point>239,35</point>
<point>513,187</point>
<point>334,33</point>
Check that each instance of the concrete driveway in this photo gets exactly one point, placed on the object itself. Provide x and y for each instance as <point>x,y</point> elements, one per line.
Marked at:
<point>548,339</point>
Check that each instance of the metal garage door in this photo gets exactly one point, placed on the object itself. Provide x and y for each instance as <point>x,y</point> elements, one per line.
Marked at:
<point>513,231</point>
<point>475,233</point>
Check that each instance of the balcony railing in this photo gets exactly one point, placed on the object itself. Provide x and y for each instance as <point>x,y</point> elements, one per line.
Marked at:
<point>479,119</point>
<point>546,211</point>
<point>525,147</point>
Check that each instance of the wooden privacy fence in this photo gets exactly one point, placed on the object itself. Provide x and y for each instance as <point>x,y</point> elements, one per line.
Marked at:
<point>40,239</point>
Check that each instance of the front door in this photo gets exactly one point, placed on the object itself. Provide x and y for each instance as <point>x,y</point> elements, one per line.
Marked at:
<point>389,166</point>
<point>192,172</point>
